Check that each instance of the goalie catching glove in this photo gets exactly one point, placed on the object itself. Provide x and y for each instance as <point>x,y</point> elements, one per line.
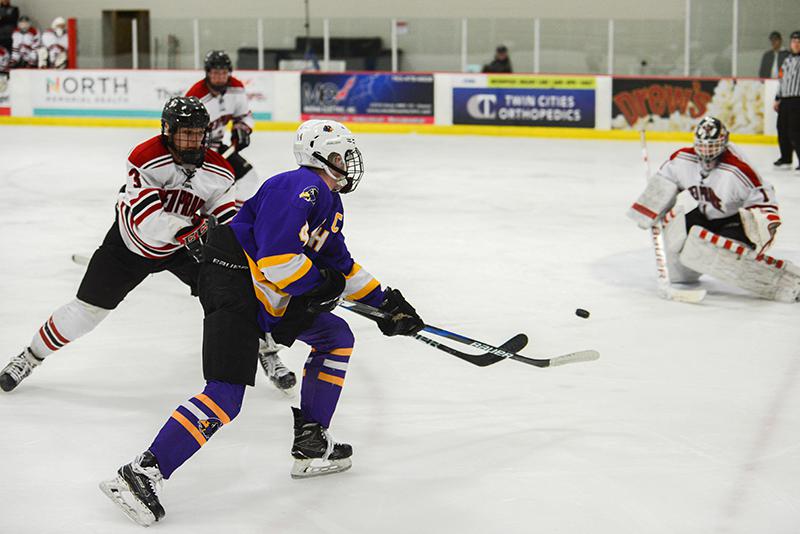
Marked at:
<point>403,319</point>
<point>760,224</point>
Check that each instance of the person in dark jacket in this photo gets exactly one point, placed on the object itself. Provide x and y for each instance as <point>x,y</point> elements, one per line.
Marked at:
<point>9,15</point>
<point>772,59</point>
<point>501,61</point>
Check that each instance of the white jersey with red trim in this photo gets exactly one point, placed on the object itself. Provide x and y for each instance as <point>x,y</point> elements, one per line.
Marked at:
<point>24,46</point>
<point>5,59</point>
<point>56,46</point>
<point>230,106</point>
<point>730,185</point>
<point>160,198</point>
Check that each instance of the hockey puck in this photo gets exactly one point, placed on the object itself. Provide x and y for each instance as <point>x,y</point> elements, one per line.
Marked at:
<point>580,312</point>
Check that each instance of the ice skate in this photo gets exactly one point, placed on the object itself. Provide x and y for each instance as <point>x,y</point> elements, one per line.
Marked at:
<point>134,490</point>
<point>18,368</point>
<point>314,451</point>
<point>280,376</point>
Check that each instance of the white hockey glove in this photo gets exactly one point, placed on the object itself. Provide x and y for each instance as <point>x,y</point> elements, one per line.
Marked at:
<point>658,197</point>
<point>760,225</point>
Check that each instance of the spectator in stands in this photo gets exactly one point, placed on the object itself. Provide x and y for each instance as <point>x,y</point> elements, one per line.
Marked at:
<point>26,42</point>
<point>9,15</point>
<point>772,59</point>
<point>501,61</point>
<point>53,54</point>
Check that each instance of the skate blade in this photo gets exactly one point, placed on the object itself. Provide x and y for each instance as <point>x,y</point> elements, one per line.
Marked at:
<point>318,467</point>
<point>136,510</point>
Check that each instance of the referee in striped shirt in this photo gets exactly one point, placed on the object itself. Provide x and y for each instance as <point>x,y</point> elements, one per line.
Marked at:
<point>787,104</point>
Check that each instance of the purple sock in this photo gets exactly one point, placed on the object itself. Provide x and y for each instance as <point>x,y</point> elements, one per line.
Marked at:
<point>194,422</point>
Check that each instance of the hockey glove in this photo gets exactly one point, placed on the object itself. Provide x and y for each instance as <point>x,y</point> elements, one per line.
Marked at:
<point>325,296</point>
<point>404,319</point>
<point>240,136</point>
<point>760,225</point>
<point>193,237</point>
<point>304,309</point>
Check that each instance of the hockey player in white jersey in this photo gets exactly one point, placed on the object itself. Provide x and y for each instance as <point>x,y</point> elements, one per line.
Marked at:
<point>53,53</point>
<point>224,97</point>
<point>226,101</point>
<point>734,224</point>
<point>26,40</point>
<point>173,185</point>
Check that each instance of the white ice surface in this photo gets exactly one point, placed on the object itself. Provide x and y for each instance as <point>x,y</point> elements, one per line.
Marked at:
<point>689,422</point>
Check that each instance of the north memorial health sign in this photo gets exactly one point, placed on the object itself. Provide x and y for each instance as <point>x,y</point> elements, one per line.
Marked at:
<point>532,100</point>
<point>362,97</point>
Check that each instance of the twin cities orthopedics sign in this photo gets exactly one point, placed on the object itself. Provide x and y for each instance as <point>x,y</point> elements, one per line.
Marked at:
<point>524,100</point>
<point>363,97</point>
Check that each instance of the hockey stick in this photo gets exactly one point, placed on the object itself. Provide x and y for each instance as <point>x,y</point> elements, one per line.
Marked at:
<point>491,352</point>
<point>231,150</point>
<point>665,289</point>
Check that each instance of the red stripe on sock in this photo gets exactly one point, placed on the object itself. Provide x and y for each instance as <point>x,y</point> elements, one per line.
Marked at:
<point>46,341</point>
<point>58,335</point>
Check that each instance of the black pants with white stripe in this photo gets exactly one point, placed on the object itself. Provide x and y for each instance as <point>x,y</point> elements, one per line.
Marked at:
<point>114,271</point>
<point>789,128</point>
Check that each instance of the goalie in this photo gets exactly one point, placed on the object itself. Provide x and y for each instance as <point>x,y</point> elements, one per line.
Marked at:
<point>734,224</point>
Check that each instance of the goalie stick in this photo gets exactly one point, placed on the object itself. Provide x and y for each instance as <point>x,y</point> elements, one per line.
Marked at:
<point>665,289</point>
<point>491,355</point>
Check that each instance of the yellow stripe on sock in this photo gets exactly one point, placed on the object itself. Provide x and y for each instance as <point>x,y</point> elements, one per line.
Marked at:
<point>179,417</point>
<point>219,412</point>
<point>325,377</point>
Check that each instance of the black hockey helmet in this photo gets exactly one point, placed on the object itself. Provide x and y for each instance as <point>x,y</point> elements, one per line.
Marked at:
<point>710,140</point>
<point>218,59</point>
<point>185,112</point>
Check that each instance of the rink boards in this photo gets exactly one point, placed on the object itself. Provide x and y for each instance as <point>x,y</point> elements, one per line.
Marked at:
<point>563,106</point>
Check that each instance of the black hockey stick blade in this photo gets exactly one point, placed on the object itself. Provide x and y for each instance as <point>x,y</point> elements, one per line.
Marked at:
<point>514,344</point>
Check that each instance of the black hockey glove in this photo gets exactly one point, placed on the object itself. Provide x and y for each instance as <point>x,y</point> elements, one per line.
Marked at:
<point>404,319</point>
<point>240,136</point>
<point>193,237</point>
<point>304,309</point>
<point>325,296</point>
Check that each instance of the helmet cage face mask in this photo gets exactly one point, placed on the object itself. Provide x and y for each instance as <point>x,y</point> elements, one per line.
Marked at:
<point>710,141</point>
<point>183,112</point>
<point>218,60</point>
<point>316,144</point>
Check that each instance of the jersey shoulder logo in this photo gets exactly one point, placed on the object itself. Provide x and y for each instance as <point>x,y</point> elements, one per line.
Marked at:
<point>309,194</point>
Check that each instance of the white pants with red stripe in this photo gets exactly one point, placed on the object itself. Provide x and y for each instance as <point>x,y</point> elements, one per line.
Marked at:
<point>67,324</point>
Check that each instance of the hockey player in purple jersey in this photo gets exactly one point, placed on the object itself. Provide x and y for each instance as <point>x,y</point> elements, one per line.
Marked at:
<point>281,266</point>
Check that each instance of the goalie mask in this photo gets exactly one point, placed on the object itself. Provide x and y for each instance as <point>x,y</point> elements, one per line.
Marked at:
<point>330,146</point>
<point>184,128</point>
<point>710,141</point>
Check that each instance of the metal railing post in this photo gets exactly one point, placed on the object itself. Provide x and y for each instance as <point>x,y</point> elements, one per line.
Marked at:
<point>260,44</point>
<point>326,44</point>
<point>610,47</point>
<point>196,31</point>
<point>687,41</point>
<point>735,37</point>
<point>135,42</point>
<point>536,43</point>
<point>464,45</point>
<point>395,65</point>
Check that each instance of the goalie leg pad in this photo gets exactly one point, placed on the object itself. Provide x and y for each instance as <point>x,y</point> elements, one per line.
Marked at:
<point>658,197</point>
<point>736,264</point>
<point>674,239</point>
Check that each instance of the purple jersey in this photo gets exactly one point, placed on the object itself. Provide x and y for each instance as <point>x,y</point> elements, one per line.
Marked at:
<point>291,226</point>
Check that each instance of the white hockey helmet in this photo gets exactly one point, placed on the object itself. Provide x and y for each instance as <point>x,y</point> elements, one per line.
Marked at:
<point>316,141</point>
